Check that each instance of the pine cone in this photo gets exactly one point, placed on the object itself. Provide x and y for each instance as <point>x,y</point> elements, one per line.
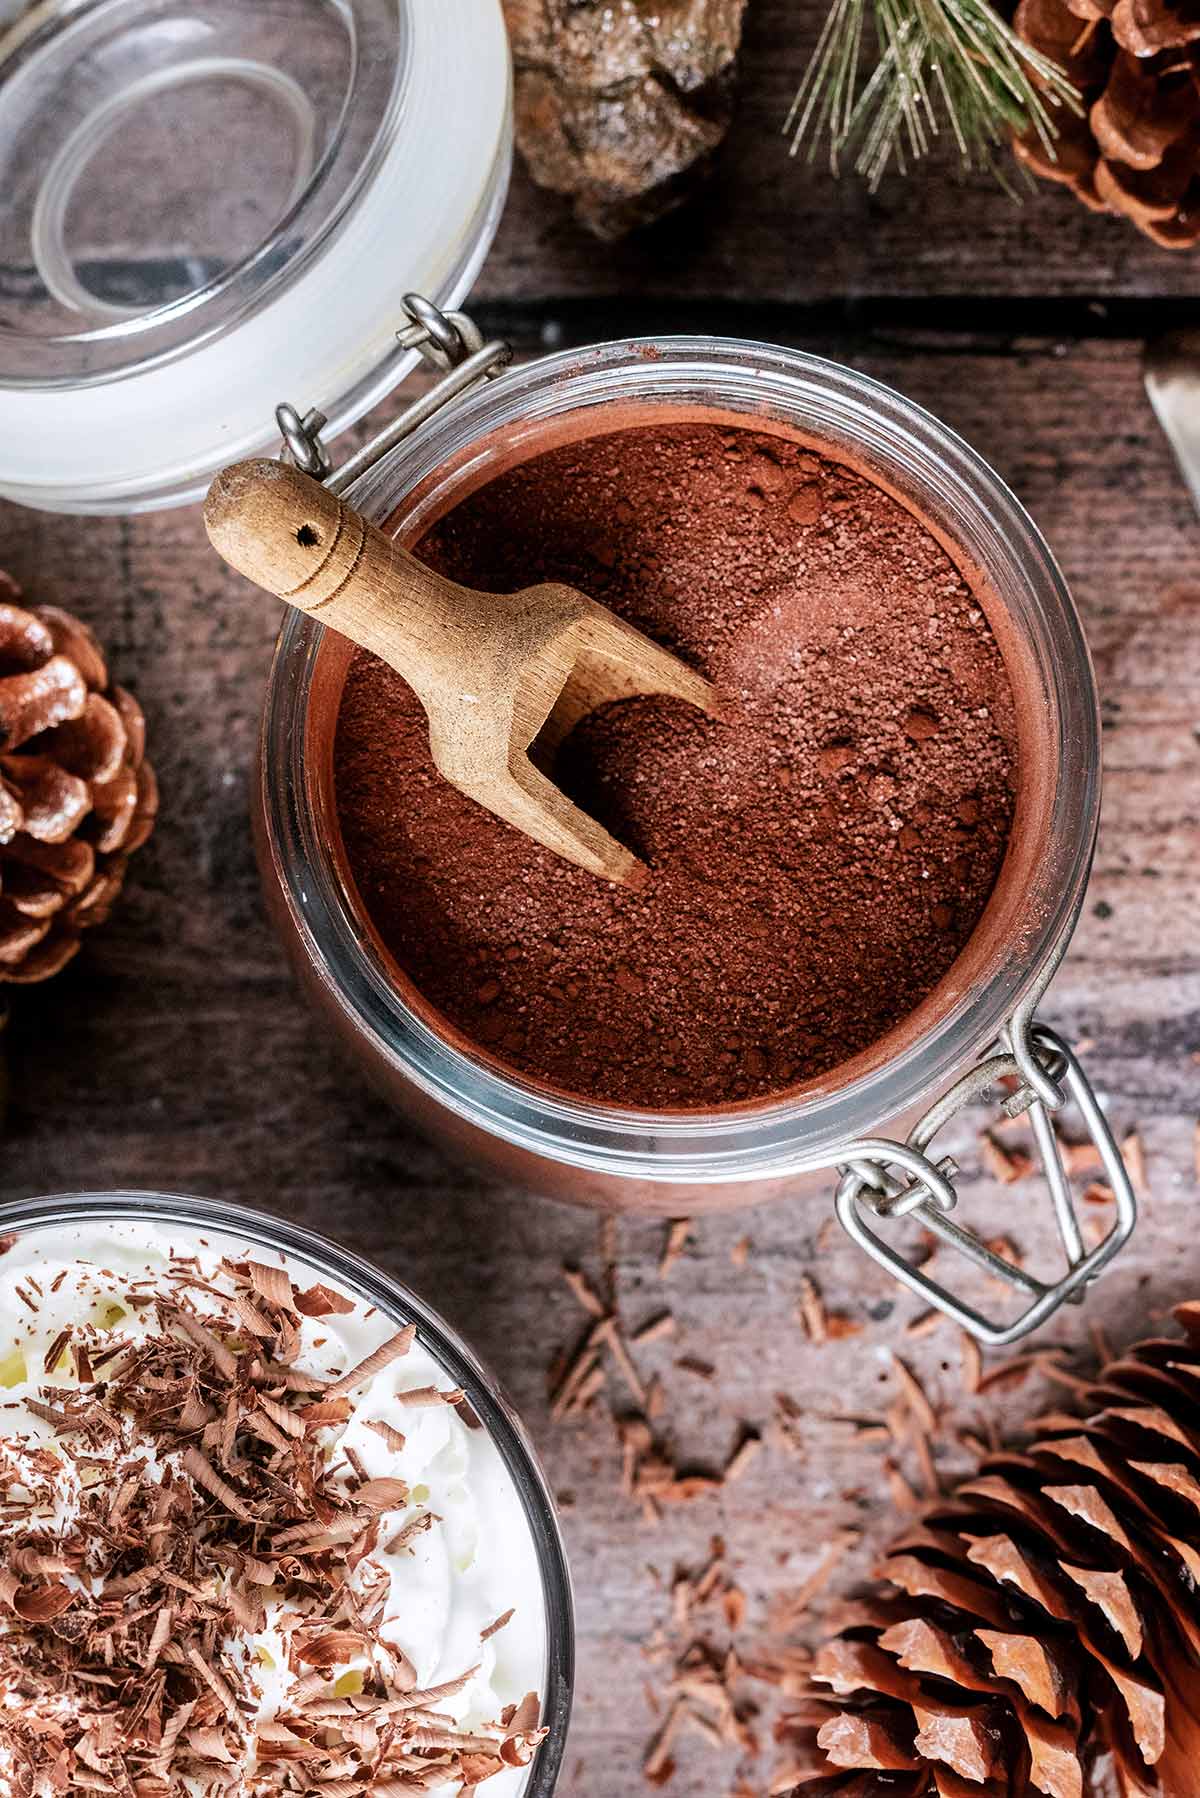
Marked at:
<point>77,796</point>
<point>1136,149</point>
<point>1040,1629</point>
<point>622,105</point>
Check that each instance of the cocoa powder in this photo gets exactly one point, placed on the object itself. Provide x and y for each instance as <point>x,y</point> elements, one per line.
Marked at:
<point>818,859</point>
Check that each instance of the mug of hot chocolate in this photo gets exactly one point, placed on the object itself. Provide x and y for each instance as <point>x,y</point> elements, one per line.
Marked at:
<point>863,868</point>
<point>267,1527</point>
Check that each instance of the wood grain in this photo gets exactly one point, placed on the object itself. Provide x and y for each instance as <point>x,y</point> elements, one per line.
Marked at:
<point>772,228</point>
<point>176,1053</point>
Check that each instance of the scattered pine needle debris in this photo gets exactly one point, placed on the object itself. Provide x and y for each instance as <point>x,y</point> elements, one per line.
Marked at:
<point>703,1692</point>
<point>1134,1157</point>
<point>924,1324</point>
<point>1004,1163</point>
<point>811,1310</point>
<point>787,1616</point>
<point>1079,1157</point>
<point>787,1429</point>
<point>747,1451</point>
<point>582,1289</point>
<point>580,1377</point>
<point>1013,1372</point>
<point>655,1330</point>
<point>819,1322</point>
<point>678,1232</point>
<point>915,1397</point>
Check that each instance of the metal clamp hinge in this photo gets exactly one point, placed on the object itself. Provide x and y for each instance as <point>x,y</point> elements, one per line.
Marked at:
<point>870,1191</point>
<point>449,342</point>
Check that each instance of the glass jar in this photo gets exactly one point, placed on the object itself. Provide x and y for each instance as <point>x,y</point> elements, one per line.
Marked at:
<point>317,1259</point>
<point>211,206</point>
<point>869,1116</point>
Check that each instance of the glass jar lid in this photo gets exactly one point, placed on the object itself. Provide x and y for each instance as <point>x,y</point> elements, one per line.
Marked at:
<point>211,207</point>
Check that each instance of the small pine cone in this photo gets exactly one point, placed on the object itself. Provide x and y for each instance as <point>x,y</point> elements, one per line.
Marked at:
<point>623,107</point>
<point>1136,149</point>
<point>1038,1631</point>
<point>77,796</point>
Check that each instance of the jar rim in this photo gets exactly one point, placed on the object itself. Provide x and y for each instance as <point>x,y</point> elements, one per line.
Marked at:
<point>462,1365</point>
<point>788,1134</point>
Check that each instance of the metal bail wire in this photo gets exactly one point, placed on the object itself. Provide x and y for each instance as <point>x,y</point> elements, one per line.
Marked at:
<point>870,1192</point>
<point>450,342</point>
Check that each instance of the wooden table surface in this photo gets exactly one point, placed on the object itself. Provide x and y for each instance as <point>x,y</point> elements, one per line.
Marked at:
<point>177,1054</point>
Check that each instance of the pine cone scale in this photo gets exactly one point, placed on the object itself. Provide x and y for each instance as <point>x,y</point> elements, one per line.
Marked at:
<point>52,803</point>
<point>48,696</point>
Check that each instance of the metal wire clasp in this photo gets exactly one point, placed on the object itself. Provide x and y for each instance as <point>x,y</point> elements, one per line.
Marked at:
<point>869,1191</point>
<point>449,342</point>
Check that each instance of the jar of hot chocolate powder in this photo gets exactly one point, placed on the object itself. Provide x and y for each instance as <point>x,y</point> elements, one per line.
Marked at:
<point>862,877</point>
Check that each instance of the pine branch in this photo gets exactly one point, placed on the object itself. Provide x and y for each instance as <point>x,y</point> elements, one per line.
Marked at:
<point>951,61</point>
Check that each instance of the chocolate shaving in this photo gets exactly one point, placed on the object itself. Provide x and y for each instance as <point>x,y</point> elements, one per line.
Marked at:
<point>322,1301</point>
<point>392,1350</point>
<point>206,1475</point>
<point>271,1283</point>
<point>216,1350</point>
<point>417,1397</point>
<point>382,1494</point>
<point>393,1437</point>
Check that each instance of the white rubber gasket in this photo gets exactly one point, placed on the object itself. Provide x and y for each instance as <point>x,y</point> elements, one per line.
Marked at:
<point>48,228</point>
<point>156,436</point>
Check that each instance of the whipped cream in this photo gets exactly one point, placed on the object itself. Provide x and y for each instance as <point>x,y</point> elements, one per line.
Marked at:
<point>456,1547</point>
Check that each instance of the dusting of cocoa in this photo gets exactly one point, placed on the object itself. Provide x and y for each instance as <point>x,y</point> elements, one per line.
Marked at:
<point>819,858</point>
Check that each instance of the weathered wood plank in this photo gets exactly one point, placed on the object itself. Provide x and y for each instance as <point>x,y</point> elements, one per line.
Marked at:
<point>772,228</point>
<point>177,1053</point>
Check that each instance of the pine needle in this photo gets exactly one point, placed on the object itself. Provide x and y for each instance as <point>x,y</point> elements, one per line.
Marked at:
<point>951,63</point>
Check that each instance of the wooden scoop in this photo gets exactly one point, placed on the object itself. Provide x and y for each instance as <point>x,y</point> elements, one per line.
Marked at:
<point>493,671</point>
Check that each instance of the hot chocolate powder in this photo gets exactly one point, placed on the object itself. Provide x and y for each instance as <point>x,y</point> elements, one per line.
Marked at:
<point>818,860</point>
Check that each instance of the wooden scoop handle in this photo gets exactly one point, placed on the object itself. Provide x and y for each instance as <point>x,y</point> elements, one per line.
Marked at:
<point>287,533</point>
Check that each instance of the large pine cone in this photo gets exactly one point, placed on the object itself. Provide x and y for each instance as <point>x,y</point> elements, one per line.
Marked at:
<point>77,796</point>
<point>1136,149</point>
<point>1040,1630</point>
